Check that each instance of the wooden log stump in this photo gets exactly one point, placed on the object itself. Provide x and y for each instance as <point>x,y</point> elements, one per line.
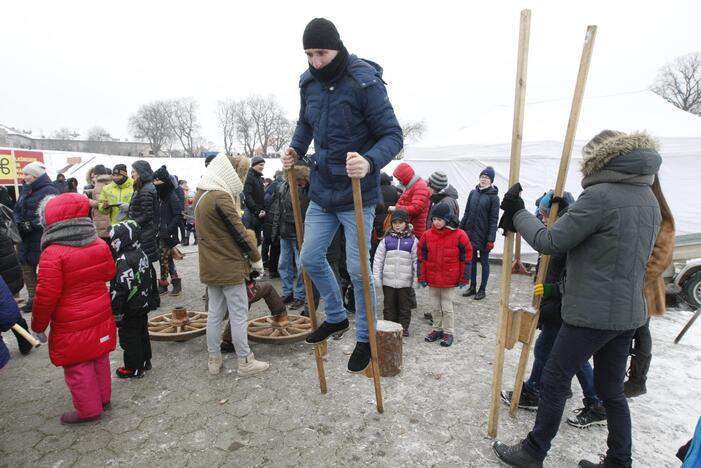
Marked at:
<point>389,346</point>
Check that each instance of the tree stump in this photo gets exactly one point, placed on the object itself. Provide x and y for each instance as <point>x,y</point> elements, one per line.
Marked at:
<point>389,347</point>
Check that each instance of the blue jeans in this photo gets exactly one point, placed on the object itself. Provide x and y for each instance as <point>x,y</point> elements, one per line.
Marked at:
<point>484,261</point>
<point>573,347</point>
<point>541,353</point>
<point>289,263</point>
<point>320,226</point>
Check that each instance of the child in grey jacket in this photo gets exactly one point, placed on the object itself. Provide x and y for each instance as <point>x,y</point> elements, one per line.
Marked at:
<point>394,269</point>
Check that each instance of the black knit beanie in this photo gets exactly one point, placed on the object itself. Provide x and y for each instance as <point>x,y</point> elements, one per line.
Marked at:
<point>321,33</point>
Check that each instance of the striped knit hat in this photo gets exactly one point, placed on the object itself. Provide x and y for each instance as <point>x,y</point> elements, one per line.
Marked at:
<point>438,181</point>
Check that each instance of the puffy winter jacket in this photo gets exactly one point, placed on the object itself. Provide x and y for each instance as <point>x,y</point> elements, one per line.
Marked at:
<point>71,293</point>
<point>26,211</point>
<point>608,234</point>
<point>284,222</point>
<point>395,260</point>
<point>144,209</point>
<point>9,315</point>
<point>254,191</point>
<point>170,212</point>
<point>481,216</point>
<point>351,113</point>
<point>447,196</point>
<point>416,198</point>
<point>115,194</point>
<point>131,286</point>
<point>10,268</point>
<point>444,257</point>
<point>100,218</point>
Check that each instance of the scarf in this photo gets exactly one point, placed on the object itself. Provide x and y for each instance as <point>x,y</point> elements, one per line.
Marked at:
<point>74,232</point>
<point>334,69</point>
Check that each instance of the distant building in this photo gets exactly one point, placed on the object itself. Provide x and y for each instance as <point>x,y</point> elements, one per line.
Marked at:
<point>10,137</point>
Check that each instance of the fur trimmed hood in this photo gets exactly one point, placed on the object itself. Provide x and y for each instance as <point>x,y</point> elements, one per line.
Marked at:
<point>597,156</point>
<point>301,171</point>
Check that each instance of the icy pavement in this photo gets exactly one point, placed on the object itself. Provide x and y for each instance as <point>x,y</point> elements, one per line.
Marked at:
<point>435,411</point>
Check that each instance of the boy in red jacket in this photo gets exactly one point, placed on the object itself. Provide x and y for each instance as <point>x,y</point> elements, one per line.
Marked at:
<point>72,296</point>
<point>445,253</point>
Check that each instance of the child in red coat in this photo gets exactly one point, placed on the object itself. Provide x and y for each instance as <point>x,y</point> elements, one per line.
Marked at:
<point>72,297</point>
<point>445,253</point>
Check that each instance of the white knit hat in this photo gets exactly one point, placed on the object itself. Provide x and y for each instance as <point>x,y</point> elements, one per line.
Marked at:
<point>35,169</point>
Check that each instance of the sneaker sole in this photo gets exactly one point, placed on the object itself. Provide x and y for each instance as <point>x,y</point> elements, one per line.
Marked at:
<point>585,426</point>
<point>362,370</point>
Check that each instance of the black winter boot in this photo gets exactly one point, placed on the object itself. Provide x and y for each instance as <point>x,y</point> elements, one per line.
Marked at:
<point>162,287</point>
<point>470,291</point>
<point>637,374</point>
<point>27,307</point>
<point>479,295</point>
<point>177,287</point>
<point>515,455</point>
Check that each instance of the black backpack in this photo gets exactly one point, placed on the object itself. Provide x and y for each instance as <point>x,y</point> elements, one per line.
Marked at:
<point>8,226</point>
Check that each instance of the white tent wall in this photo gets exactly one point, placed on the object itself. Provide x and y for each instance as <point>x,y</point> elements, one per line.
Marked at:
<point>540,162</point>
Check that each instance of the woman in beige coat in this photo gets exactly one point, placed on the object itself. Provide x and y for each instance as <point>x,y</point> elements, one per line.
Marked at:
<point>226,256</point>
<point>641,352</point>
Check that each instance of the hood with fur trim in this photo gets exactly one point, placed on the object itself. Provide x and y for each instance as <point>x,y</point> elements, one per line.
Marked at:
<point>638,151</point>
<point>301,171</point>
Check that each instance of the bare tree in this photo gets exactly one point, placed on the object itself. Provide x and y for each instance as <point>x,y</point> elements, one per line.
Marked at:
<point>680,83</point>
<point>65,133</point>
<point>98,133</point>
<point>226,115</point>
<point>245,126</point>
<point>282,131</point>
<point>413,132</point>
<point>152,123</point>
<point>182,114</point>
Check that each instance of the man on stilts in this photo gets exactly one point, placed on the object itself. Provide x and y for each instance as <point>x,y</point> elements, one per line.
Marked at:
<point>346,111</point>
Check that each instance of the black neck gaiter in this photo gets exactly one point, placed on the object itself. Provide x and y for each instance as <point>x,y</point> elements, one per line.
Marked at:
<point>334,69</point>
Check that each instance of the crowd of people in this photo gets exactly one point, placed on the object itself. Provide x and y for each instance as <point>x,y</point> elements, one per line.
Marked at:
<point>70,246</point>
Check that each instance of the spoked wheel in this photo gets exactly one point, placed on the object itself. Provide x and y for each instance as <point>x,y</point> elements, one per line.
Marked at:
<point>179,325</point>
<point>279,329</point>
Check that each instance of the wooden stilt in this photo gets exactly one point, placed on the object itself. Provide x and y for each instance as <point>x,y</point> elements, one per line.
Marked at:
<point>365,271</point>
<point>505,286</point>
<point>559,190</point>
<point>688,325</point>
<point>319,349</point>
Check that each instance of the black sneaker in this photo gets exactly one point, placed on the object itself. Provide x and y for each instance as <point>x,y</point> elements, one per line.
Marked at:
<point>590,415</point>
<point>286,299</point>
<point>327,329</point>
<point>124,373</point>
<point>528,401</point>
<point>360,359</point>
<point>227,347</point>
<point>515,455</point>
<point>296,304</point>
<point>147,365</point>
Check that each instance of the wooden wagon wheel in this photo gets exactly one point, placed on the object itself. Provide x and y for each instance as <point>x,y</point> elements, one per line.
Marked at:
<point>279,329</point>
<point>179,325</point>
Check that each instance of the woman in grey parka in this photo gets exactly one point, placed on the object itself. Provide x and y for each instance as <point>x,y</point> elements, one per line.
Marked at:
<point>608,234</point>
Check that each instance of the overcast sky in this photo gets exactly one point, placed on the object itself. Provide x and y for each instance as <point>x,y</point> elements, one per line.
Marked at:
<point>81,63</point>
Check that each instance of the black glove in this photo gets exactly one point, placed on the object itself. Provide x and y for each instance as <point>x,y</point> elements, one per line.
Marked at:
<point>25,227</point>
<point>562,204</point>
<point>511,204</point>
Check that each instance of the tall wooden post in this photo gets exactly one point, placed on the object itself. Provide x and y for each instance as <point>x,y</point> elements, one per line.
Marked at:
<point>505,286</point>
<point>528,328</point>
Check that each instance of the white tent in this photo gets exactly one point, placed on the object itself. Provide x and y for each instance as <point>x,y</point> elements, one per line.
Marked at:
<point>488,144</point>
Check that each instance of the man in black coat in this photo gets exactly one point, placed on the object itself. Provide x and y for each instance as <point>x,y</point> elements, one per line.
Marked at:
<point>254,191</point>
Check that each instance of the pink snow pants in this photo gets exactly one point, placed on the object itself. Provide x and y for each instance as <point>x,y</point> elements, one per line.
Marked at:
<point>90,384</point>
